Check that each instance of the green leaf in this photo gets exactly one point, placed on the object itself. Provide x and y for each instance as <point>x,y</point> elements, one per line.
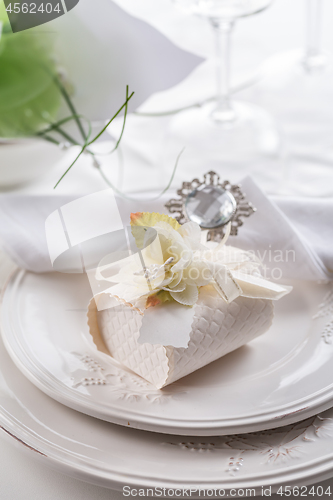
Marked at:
<point>29,97</point>
<point>159,298</point>
<point>3,14</point>
<point>143,222</point>
<point>149,219</point>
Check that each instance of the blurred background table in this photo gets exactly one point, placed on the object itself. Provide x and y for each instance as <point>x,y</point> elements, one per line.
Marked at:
<point>140,164</point>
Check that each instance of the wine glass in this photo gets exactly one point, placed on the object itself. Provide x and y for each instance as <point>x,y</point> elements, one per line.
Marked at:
<point>299,94</point>
<point>224,129</point>
<point>314,58</point>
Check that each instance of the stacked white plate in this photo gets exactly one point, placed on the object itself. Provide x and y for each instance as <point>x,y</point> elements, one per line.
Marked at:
<point>248,420</point>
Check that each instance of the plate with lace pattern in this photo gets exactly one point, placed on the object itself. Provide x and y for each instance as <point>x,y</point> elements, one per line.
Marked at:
<point>280,378</point>
<point>114,457</point>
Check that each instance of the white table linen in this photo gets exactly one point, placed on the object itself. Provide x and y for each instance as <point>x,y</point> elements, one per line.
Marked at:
<point>292,237</point>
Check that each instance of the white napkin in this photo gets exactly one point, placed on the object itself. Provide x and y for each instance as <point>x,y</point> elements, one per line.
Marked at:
<point>292,236</point>
<point>103,48</point>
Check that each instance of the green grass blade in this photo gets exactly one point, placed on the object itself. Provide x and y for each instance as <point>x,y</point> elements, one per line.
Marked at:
<point>71,106</point>
<point>50,139</point>
<point>86,144</point>
<point>55,125</point>
<point>124,123</point>
<point>115,116</point>
<point>65,173</point>
<point>172,175</point>
<point>126,197</point>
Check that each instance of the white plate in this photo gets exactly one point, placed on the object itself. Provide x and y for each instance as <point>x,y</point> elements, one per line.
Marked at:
<point>280,378</point>
<point>113,456</point>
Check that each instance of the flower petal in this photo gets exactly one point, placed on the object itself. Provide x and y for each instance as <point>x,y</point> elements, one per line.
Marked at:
<point>178,288</point>
<point>177,277</point>
<point>188,297</point>
<point>191,233</point>
<point>169,232</point>
<point>149,219</point>
<point>198,273</point>
<point>184,261</point>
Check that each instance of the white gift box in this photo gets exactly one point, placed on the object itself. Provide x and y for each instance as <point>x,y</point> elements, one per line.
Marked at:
<point>167,342</point>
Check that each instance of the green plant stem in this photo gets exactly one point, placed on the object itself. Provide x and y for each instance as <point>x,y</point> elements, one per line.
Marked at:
<point>86,144</point>
<point>123,127</point>
<point>66,136</point>
<point>71,107</point>
<point>62,132</point>
<point>70,139</point>
<point>57,128</point>
<point>172,175</point>
<point>123,195</point>
<point>50,139</point>
<point>124,123</point>
<point>53,126</point>
<point>115,116</point>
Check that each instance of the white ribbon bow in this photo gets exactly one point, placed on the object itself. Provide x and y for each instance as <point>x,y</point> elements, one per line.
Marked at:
<point>178,263</point>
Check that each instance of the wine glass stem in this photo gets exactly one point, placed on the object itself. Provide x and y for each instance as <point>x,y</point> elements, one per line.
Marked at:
<point>314,57</point>
<point>223,112</point>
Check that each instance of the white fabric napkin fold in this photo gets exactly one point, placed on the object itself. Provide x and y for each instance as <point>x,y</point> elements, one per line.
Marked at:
<point>292,236</point>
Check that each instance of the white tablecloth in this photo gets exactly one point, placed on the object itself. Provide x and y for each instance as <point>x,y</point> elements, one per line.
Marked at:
<point>20,477</point>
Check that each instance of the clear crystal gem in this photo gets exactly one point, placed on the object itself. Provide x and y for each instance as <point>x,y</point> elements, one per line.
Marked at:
<point>210,206</point>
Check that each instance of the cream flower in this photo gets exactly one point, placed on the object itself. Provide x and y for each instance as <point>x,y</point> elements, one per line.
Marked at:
<point>173,262</point>
<point>167,264</point>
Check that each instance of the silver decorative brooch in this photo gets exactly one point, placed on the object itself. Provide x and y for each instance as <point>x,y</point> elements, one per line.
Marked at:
<point>211,204</point>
